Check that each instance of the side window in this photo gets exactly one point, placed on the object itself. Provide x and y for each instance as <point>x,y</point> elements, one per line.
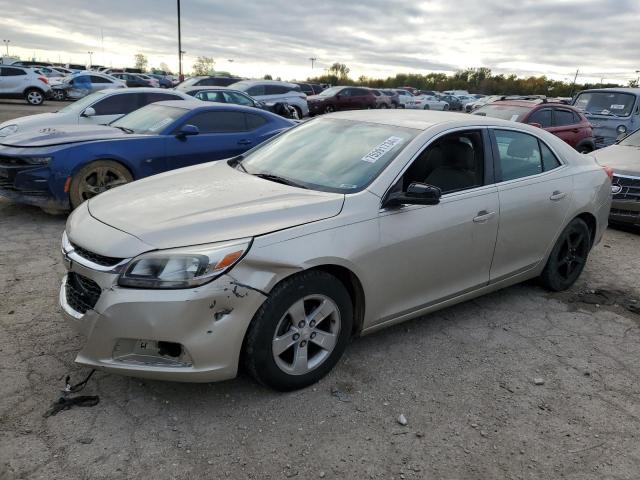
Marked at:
<point>549,160</point>
<point>238,99</point>
<point>210,96</point>
<point>347,92</point>
<point>256,90</point>
<point>275,90</point>
<point>519,154</point>
<point>454,162</point>
<point>97,79</point>
<point>254,121</point>
<point>576,118</point>
<point>218,122</point>
<point>116,104</point>
<point>12,72</point>
<point>562,118</point>
<point>153,97</point>
<point>543,117</point>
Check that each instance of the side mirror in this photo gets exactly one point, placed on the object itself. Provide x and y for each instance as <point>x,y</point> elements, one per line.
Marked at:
<point>535,124</point>
<point>188,131</point>
<point>416,194</point>
<point>89,112</point>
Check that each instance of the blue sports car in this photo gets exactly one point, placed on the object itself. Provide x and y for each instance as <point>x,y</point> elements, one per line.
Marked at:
<point>59,168</point>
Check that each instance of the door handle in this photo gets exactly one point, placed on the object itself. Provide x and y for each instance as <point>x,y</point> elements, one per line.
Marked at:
<point>483,216</point>
<point>557,195</point>
<point>245,142</point>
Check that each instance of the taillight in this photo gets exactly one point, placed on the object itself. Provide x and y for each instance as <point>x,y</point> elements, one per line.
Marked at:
<point>44,80</point>
<point>609,172</point>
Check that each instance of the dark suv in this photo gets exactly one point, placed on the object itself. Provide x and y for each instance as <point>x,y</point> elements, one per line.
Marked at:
<point>562,120</point>
<point>341,98</point>
<point>310,88</point>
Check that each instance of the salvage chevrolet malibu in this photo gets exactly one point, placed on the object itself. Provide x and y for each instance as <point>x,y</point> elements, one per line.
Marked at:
<point>275,259</point>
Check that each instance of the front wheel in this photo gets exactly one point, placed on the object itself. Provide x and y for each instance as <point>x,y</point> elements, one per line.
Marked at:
<point>58,95</point>
<point>329,109</point>
<point>34,96</point>
<point>445,108</point>
<point>95,178</point>
<point>568,257</point>
<point>427,107</point>
<point>300,331</point>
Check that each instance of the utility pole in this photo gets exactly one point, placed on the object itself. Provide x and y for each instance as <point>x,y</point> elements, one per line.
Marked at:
<point>90,59</point>
<point>180,75</point>
<point>574,82</point>
<point>6,43</point>
<point>313,59</point>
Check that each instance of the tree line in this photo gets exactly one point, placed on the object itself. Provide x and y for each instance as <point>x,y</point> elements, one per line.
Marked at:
<point>474,80</point>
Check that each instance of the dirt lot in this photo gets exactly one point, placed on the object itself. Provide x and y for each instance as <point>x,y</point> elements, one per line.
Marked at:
<point>463,378</point>
<point>19,108</point>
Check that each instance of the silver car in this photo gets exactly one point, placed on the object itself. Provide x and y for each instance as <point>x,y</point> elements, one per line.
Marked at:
<point>339,227</point>
<point>273,91</point>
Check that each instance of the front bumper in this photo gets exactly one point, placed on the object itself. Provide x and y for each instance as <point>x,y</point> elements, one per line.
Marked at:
<point>124,326</point>
<point>625,212</point>
<point>30,184</point>
<point>625,206</point>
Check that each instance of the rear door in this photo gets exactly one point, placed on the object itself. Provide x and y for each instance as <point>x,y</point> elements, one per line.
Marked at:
<point>565,126</point>
<point>223,134</point>
<point>535,191</point>
<point>100,83</point>
<point>12,80</point>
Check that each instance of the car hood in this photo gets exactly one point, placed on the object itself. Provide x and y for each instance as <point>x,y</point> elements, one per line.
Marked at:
<point>50,136</point>
<point>209,203</point>
<point>37,120</point>
<point>316,98</point>
<point>624,160</point>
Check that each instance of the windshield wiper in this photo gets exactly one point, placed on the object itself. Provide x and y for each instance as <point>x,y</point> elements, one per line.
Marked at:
<point>242,167</point>
<point>124,129</point>
<point>279,179</point>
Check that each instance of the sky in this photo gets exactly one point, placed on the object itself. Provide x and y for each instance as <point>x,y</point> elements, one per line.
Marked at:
<point>376,38</point>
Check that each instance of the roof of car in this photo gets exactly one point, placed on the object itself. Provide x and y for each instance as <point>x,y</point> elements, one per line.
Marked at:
<point>193,104</point>
<point>417,119</point>
<point>529,103</point>
<point>266,82</point>
<point>635,91</point>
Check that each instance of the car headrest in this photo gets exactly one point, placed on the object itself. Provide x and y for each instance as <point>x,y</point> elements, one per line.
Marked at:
<point>520,149</point>
<point>459,155</point>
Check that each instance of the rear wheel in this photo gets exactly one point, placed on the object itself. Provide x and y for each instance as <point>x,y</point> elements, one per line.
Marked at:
<point>95,178</point>
<point>58,94</point>
<point>34,96</point>
<point>300,332</point>
<point>568,257</point>
<point>427,107</point>
<point>329,109</point>
<point>298,112</point>
<point>446,107</point>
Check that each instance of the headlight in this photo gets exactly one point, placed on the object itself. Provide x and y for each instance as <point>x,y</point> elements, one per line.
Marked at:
<point>183,267</point>
<point>621,129</point>
<point>8,130</point>
<point>38,160</point>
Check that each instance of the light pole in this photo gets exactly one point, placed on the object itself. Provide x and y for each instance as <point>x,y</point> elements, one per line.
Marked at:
<point>90,59</point>
<point>313,59</point>
<point>638,78</point>
<point>6,44</point>
<point>180,52</point>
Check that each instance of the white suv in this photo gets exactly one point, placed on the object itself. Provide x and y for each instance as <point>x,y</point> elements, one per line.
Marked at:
<point>273,91</point>
<point>22,82</point>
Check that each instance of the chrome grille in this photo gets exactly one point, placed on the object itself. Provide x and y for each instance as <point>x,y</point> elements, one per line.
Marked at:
<point>82,293</point>
<point>630,188</point>
<point>101,260</point>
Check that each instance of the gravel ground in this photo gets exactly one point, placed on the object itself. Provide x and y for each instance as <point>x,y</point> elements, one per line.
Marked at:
<point>464,378</point>
<point>10,109</point>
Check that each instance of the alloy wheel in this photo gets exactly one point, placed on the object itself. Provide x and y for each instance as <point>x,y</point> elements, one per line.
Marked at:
<point>572,255</point>
<point>306,334</point>
<point>34,97</point>
<point>100,180</point>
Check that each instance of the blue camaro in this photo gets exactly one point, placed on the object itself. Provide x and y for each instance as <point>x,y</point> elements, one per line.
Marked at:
<point>59,168</point>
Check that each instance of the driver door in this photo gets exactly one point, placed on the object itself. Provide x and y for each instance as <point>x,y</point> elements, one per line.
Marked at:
<point>429,254</point>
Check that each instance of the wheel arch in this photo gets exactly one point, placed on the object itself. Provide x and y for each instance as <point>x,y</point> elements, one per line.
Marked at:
<point>591,222</point>
<point>32,87</point>
<point>105,158</point>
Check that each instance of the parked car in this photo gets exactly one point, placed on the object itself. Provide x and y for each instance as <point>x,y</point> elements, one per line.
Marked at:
<point>425,102</point>
<point>153,82</point>
<point>393,97</point>
<point>61,168</point>
<point>207,81</point>
<point>454,102</point>
<point>624,158</point>
<point>404,97</point>
<point>82,84</point>
<point>465,99</point>
<point>236,97</point>
<point>471,106</point>
<point>310,88</point>
<point>612,112</point>
<point>273,91</point>
<point>562,120</point>
<point>163,80</point>
<point>23,82</point>
<point>341,98</point>
<point>64,72</point>
<point>344,225</point>
<point>382,100</point>
<point>49,72</point>
<point>99,108</point>
<point>132,80</point>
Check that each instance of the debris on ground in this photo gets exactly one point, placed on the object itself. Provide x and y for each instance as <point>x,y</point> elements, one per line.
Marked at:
<point>538,381</point>
<point>340,395</point>
<point>402,420</point>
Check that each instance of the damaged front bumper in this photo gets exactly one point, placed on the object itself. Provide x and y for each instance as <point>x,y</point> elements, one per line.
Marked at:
<point>191,335</point>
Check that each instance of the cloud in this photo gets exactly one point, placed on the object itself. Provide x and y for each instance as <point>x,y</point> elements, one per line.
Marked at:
<point>373,37</point>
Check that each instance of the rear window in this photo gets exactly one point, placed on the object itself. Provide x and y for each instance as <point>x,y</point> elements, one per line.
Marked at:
<point>613,104</point>
<point>505,112</point>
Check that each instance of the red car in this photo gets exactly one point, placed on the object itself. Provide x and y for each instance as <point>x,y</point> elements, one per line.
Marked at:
<point>341,98</point>
<point>562,120</point>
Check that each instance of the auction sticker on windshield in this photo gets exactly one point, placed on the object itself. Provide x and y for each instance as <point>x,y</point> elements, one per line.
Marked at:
<point>381,149</point>
<point>158,125</point>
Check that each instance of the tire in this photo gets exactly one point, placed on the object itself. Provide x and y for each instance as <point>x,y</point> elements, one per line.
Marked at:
<point>445,108</point>
<point>329,109</point>
<point>383,106</point>
<point>298,112</point>
<point>34,96</point>
<point>58,95</point>
<point>274,326</point>
<point>585,149</point>
<point>95,178</point>
<point>427,107</point>
<point>568,257</point>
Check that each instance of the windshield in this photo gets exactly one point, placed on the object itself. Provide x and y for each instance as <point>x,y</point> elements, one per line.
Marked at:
<point>505,112</point>
<point>632,140</point>
<point>330,92</point>
<point>617,104</point>
<point>79,105</point>
<point>149,120</point>
<point>330,154</point>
